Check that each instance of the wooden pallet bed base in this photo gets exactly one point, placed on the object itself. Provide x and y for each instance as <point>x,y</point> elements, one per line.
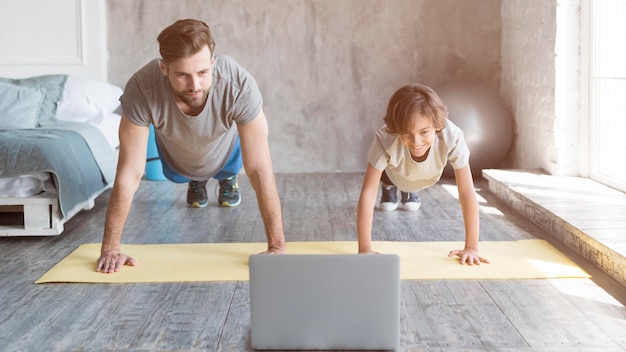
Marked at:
<point>38,215</point>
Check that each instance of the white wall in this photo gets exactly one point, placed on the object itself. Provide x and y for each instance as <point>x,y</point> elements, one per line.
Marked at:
<point>53,37</point>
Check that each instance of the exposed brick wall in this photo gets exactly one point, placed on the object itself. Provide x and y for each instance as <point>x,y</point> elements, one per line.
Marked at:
<point>540,61</point>
<point>569,147</point>
<point>528,76</point>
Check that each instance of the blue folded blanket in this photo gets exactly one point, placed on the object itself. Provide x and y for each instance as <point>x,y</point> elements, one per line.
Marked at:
<point>62,152</point>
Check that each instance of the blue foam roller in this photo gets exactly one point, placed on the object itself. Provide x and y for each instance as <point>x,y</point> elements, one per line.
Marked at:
<point>154,168</point>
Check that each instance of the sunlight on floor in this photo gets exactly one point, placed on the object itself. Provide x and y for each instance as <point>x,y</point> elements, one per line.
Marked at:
<point>483,205</point>
<point>586,289</point>
<point>550,268</point>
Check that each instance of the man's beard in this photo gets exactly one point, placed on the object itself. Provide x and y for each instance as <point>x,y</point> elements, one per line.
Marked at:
<point>193,102</point>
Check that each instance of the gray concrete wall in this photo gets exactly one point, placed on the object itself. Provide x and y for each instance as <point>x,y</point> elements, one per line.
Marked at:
<point>326,67</point>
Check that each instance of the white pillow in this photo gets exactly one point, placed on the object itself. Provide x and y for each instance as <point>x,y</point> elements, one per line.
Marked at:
<point>109,127</point>
<point>87,100</point>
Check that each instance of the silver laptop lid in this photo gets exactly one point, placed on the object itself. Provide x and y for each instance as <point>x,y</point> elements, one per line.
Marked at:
<point>325,301</point>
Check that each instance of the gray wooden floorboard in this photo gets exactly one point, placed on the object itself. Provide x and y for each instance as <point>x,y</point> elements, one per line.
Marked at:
<point>437,315</point>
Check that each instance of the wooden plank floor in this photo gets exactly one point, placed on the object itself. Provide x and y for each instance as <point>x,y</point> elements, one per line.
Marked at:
<point>437,315</point>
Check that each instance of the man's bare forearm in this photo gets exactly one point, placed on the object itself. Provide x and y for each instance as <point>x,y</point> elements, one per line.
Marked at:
<point>117,213</point>
<point>270,208</point>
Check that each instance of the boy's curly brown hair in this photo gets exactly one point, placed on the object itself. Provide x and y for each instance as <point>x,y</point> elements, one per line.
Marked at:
<point>411,99</point>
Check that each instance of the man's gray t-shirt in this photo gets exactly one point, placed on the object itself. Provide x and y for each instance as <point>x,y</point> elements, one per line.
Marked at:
<point>196,147</point>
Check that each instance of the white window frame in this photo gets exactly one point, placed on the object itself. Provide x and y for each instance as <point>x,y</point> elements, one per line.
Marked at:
<point>589,137</point>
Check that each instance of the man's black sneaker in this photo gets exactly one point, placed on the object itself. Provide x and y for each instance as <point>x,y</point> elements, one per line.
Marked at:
<point>196,194</point>
<point>229,192</point>
<point>389,198</point>
<point>410,201</point>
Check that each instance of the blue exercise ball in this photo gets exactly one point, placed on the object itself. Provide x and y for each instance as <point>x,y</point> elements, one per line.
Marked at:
<point>486,122</point>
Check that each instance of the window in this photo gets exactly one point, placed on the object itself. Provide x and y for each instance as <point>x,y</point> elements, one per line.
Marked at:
<point>604,27</point>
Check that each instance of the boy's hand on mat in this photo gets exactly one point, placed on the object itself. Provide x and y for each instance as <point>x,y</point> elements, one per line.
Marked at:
<point>113,261</point>
<point>468,256</point>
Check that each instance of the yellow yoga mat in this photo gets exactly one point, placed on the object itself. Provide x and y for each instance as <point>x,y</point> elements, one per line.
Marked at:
<point>525,259</point>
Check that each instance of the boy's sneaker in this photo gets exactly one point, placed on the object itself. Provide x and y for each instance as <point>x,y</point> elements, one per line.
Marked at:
<point>410,201</point>
<point>389,198</point>
<point>196,194</point>
<point>229,192</point>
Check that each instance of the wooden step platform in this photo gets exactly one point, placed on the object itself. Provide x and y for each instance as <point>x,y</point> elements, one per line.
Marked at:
<point>583,214</point>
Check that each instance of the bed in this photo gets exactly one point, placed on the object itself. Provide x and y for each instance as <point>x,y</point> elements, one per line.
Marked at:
<point>58,150</point>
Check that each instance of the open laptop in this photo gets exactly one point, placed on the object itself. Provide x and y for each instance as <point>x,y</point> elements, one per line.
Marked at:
<point>325,301</point>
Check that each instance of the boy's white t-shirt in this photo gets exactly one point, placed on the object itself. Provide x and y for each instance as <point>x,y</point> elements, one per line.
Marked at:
<point>387,153</point>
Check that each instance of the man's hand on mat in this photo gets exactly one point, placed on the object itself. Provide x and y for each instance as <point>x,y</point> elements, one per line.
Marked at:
<point>468,256</point>
<point>274,250</point>
<point>113,261</point>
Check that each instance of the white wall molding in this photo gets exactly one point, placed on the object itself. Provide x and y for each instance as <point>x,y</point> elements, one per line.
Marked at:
<point>53,36</point>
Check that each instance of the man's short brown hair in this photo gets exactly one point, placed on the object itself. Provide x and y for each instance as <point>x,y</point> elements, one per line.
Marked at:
<point>184,38</point>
